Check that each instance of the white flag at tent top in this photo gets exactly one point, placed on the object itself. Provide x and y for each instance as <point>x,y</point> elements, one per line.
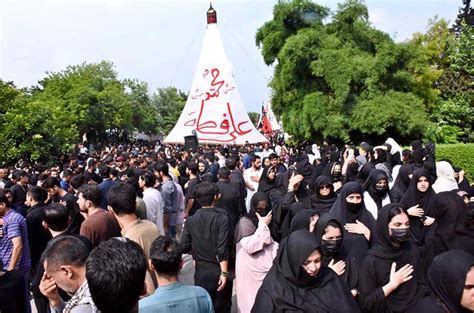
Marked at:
<point>214,109</point>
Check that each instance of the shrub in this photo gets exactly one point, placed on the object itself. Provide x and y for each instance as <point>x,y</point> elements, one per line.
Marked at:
<point>461,155</point>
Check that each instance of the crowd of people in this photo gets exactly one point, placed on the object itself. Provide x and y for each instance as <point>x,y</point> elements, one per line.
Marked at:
<point>304,228</point>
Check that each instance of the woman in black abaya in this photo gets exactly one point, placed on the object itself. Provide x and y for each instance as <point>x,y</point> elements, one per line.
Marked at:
<point>267,180</point>
<point>365,172</point>
<point>401,182</point>
<point>329,233</point>
<point>451,231</point>
<point>450,287</point>
<point>390,275</point>
<point>298,283</point>
<point>358,223</point>
<point>376,193</point>
<point>323,196</point>
<point>418,200</point>
<point>291,190</point>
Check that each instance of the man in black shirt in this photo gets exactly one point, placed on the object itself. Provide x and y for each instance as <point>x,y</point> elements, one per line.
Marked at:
<point>38,236</point>
<point>124,171</point>
<point>206,233</point>
<point>18,191</point>
<point>229,198</point>
<point>57,194</point>
<point>191,205</point>
<point>90,176</point>
<point>237,179</point>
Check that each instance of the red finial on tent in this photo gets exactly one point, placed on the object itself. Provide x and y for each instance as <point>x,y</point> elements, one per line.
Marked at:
<point>211,15</point>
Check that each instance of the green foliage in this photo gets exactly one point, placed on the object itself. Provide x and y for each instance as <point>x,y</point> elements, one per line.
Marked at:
<point>393,110</point>
<point>461,155</point>
<point>288,18</point>
<point>35,129</point>
<point>145,115</point>
<point>169,102</point>
<point>443,69</point>
<point>342,78</point>
<point>254,116</point>
<point>44,121</point>
<point>93,95</point>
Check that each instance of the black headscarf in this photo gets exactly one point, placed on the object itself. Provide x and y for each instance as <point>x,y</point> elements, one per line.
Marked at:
<point>385,253</point>
<point>413,197</point>
<point>287,287</point>
<point>340,211</point>
<point>302,219</point>
<point>401,183</point>
<point>291,256</point>
<point>429,162</point>
<point>384,247</point>
<point>329,171</point>
<point>334,156</point>
<point>351,274</point>
<point>381,156</point>
<point>418,152</point>
<point>305,168</point>
<point>265,184</point>
<point>319,168</point>
<point>322,204</point>
<point>446,278</point>
<point>356,244</point>
<point>451,229</point>
<point>319,230</point>
<point>369,185</point>
<point>248,224</point>
<point>365,172</point>
<point>290,215</point>
<point>416,145</point>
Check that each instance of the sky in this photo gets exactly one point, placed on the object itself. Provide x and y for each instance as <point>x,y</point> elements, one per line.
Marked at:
<point>159,42</point>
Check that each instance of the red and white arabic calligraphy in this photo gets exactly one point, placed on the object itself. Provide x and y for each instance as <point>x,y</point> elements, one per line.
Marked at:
<point>205,124</point>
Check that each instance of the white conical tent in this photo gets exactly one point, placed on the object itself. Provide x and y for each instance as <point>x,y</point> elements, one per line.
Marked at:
<point>214,108</point>
<point>272,118</point>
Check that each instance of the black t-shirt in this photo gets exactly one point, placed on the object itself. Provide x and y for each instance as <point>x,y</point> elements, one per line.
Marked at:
<point>12,292</point>
<point>38,236</point>
<point>88,176</point>
<point>189,194</point>
<point>126,172</point>
<point>76,217</point>
<point>206,233</point>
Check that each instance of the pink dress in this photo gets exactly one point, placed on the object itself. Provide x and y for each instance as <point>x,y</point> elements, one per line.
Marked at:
<point>255,254</point>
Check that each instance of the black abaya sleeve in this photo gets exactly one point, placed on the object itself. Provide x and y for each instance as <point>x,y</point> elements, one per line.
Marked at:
<point>287,201</point>
<point>427,304</point>
<point>371,298</point>
<point>263,302</point>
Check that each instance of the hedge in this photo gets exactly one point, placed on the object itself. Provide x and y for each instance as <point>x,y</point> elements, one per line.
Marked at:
<point>461,155</point>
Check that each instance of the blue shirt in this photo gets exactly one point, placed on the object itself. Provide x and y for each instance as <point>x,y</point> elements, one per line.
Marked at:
<point>169,196</point>
<point>177,298</point>
<point>14,225</point>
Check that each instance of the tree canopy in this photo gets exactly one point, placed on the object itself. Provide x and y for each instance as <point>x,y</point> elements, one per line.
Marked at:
<point>86,99</point>
<point>351,80</point>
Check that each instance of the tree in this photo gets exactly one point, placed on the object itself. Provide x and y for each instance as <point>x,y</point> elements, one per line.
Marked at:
<point>33,129</point>
<point>94,97</point>
<point>169,103</point>
<point>444,64</point>
<point>254,116</point>
<point>330,78</point>
<point>145,115</point>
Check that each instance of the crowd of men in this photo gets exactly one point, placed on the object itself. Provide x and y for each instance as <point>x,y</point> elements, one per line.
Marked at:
<point>104,229</point>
